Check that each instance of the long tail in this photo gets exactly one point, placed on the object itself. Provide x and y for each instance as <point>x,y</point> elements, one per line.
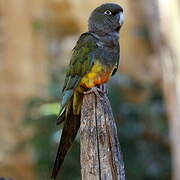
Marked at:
<point>71,127</point>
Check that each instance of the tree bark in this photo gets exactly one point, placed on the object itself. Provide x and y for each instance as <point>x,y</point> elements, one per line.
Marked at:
<point>101,157</point>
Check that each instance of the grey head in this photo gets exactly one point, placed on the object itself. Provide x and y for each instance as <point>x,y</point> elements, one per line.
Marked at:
<point>106,19</point>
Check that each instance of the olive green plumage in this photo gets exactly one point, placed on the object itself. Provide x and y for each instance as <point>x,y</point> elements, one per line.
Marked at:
<point>95,58</point>
<point>81,62</point>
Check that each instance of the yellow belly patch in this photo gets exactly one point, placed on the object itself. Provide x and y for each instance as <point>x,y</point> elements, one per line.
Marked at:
<point>99,74</point>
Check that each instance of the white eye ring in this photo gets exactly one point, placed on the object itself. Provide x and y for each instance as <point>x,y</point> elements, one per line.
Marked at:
<point>108,12</point>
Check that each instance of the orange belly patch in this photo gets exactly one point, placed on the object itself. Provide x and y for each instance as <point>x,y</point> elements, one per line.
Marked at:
<point>103,78</point>
<point>99,74</point>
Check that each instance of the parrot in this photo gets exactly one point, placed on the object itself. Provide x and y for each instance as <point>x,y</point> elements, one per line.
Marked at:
<point>95,58</point>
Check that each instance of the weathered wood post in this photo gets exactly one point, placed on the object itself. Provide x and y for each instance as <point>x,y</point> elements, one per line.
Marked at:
<point>101,158</point>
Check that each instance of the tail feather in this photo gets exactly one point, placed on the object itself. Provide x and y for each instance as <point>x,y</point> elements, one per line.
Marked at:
<point>60,119</point>
<point>71,127</point>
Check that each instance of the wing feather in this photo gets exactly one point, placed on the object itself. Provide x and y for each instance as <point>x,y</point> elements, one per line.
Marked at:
<point>81,62</point>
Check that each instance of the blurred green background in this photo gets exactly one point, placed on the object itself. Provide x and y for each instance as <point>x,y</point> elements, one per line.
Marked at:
<point>36,41</point>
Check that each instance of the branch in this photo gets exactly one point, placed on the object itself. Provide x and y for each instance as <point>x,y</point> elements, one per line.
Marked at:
<point>101,158</point>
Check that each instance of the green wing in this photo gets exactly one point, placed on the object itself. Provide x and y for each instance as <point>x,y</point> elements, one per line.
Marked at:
<point>80,63</point>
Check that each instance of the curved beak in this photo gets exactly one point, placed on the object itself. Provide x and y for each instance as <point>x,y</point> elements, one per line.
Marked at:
<point>121,19</point>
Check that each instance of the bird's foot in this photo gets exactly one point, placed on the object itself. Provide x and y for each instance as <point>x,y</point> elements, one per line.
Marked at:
<point>97,90</point>
<point>103,89</point>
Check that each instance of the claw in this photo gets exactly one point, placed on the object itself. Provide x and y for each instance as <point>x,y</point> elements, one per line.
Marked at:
<point>96,91</point>
<point>103,89</point>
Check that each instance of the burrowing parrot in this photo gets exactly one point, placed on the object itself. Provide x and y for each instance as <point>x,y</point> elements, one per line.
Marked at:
<point>94,60</point>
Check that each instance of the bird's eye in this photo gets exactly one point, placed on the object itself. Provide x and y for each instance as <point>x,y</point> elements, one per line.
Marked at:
<point>108,12</point>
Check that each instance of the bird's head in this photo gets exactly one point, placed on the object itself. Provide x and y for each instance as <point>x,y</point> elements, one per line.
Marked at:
<point>105,19</point>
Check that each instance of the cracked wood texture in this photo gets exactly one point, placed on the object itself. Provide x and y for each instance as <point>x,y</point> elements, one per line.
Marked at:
<point>101,158</point>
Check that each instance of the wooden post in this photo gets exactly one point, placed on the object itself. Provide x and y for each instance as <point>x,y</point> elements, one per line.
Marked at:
<point>101,158</point>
